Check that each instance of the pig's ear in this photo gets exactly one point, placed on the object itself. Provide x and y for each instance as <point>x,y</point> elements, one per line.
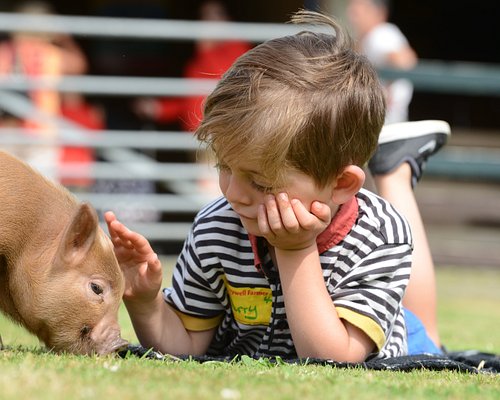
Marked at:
<point>78,236</point>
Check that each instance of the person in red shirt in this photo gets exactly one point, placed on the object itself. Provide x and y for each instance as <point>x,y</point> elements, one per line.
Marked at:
<point>37,55</point>
<point>210,60</point>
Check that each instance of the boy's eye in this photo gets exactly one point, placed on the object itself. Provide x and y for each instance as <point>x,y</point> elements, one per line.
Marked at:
<point>260,188</point>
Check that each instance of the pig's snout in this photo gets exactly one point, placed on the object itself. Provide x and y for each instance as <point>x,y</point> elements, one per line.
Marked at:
<point>117,345</point>
<point>111,346</point>
<point>107,341</point>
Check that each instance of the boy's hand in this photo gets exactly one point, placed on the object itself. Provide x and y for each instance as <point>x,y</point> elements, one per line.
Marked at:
<point>140,265</point>
<point>288,225</point>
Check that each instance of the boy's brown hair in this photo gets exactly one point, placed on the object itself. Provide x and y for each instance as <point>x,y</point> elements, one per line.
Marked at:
<point>306,101</point>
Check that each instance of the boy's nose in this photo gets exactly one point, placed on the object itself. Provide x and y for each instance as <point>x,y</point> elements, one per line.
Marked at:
<point>237,191</point>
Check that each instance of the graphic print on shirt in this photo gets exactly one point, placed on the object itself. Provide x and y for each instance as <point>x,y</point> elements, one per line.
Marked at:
<point>250,305</point>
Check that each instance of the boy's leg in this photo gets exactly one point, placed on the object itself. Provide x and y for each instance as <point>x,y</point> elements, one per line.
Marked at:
<point>396,167</point>
<point>420,295</point>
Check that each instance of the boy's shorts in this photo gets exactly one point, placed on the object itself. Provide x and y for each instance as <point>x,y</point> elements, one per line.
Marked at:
<point>418,340</point>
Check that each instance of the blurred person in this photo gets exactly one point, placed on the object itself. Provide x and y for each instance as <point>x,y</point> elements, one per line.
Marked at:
<point>385,46</point>
<point>210,60</point>
<point>52,55</point>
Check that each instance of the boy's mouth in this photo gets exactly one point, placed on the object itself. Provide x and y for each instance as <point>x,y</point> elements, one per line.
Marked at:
<point>241,215</point>
<point>245,217</point>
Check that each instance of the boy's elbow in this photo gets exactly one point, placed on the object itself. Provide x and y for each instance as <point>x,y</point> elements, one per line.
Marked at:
<point>346,355</point>
<point>354,347</point>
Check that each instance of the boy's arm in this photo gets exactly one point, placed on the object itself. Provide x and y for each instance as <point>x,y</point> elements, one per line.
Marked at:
<point>158,326</point>
<point>155,323</point>
<point>316,327</point>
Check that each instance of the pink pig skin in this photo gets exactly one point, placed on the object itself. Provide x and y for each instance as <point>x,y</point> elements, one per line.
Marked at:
<point>59,277</point>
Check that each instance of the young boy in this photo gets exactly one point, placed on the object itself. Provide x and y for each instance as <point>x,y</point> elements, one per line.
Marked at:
<point>296,259</point>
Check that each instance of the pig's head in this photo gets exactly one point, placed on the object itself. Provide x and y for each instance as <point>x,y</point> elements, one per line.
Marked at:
<point>79,308</point>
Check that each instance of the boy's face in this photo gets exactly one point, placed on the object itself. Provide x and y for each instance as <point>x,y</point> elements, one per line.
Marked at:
<point>245,186</point>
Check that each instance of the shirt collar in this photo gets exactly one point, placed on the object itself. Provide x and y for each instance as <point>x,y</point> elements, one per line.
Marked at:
<point>339,227</point>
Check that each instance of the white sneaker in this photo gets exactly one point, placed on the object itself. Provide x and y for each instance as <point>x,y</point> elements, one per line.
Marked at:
<point>412,142</point>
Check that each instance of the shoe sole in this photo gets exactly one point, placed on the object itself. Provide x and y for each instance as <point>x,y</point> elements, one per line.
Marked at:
<point>412,129</point>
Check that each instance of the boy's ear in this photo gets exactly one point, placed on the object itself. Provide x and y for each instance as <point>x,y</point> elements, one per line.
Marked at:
<point>347,184</point>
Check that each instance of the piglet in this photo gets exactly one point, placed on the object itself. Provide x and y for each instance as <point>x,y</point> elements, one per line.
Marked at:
<point>59,277</point>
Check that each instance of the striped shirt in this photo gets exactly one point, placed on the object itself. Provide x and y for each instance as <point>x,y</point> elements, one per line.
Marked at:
<point>226,279</point>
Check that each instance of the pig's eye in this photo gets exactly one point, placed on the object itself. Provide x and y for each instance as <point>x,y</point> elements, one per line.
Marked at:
<point>97,289</point>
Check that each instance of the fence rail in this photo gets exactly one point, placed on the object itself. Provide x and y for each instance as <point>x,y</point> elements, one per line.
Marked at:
<point>146,29</point>
<point>429,75</point>
<point>101,139</point>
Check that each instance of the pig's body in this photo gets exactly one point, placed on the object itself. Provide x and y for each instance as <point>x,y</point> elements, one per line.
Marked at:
<point>59,277</point>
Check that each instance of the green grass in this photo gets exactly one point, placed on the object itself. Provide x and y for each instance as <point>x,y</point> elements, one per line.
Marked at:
<point>27,375</point>
<point>469,319</point>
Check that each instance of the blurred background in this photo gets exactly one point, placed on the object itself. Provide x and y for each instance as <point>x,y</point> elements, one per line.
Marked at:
<point>106,107</point>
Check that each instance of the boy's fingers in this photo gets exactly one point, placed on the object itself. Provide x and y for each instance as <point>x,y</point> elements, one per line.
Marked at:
<point>123,231</point>
<point>154,264</point>
<point>274,216</point>
<point>262,220</point>
<point>143,270</point>
<point>321,211</point>
<point>127,238</point>
<point>287,213</point>
<point>306,219</point>
<point>117,226</point>
<point>118,242</point>
<point>109,216</point>
<point>301,213</point>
